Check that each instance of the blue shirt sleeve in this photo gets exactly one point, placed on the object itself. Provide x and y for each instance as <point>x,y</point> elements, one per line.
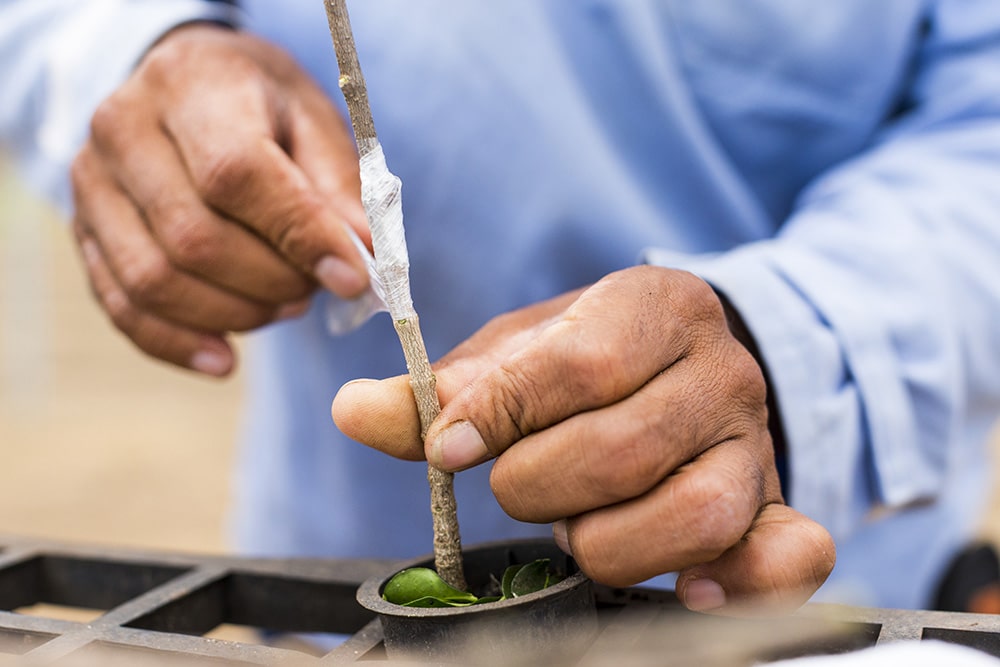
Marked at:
<point>61,59</point>
<point>877,306</point>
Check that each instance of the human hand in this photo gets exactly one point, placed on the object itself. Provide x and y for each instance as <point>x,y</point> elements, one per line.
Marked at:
<point>627,414</point>
<point>213,194</point>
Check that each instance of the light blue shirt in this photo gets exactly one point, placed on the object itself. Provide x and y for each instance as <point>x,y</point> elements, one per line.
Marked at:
<point>834,168</point>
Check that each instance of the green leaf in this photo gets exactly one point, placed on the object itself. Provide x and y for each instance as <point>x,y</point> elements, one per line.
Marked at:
<point>530,578</point>
<point>422,587</point>
<point>508,578</point>
<point>439,603</point>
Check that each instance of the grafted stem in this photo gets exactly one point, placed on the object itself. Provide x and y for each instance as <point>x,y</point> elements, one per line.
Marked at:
<point>447,543</point>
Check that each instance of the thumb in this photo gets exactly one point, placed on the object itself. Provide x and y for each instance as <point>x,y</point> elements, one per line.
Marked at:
<point>382,414</point>
<point>777,566</point>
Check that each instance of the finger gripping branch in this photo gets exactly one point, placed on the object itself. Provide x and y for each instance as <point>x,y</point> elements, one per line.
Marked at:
<point>381,196</point>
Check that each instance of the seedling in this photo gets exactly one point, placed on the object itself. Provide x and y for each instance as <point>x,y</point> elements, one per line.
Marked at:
<point>422,587</point>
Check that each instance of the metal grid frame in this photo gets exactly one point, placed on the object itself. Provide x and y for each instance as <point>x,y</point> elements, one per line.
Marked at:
<point>161,605</point>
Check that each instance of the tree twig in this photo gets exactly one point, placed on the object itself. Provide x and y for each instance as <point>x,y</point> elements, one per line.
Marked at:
<point>447,543</point>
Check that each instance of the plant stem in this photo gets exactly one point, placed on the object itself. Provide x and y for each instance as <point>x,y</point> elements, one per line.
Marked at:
<point>447,543</point>
<point>352,81</point>
<point>444,510</point>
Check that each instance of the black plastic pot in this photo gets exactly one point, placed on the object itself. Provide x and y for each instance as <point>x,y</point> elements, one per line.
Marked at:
<point>547,627</point>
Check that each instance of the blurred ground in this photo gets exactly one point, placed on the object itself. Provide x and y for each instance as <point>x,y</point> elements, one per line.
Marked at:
<point>97,442</point>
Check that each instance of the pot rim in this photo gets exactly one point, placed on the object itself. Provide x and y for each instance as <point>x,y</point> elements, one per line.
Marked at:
<point>369,594</point>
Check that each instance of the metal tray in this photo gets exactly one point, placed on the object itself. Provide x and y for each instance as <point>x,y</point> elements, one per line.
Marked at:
<point>156,608</point>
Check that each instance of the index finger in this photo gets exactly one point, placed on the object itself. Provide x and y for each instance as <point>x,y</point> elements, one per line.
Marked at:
<point>245,174</point>
<point>382,414</point>
<point>607,346</point>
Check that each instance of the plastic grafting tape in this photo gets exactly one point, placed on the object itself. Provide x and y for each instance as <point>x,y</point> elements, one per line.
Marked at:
<point>346,315</point>
<point>381,196</point>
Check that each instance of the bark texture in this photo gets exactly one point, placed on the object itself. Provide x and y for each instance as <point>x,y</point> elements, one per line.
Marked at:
<point>447,542</point>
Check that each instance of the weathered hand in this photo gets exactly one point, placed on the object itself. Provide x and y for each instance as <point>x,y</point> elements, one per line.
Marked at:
<point>213,193</point>
<point>629,415</point>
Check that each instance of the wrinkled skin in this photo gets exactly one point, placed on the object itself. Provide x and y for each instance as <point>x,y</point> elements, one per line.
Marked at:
<point>629,415</point>
<point>213,194</point>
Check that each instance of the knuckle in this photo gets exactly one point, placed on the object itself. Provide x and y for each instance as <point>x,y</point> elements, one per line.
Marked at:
<point>295,233</point>
<point>702,301</point>
<point>296,237</point>
<point>507,491</point>
<point>512,395</point>
<point>162,60</point>
<point>601,559</point>
<point>119,310</point>
<point>222,175</point>
<point>593,371</point>
<point>719,513</point>
<point>188,240</point>
<point>746,378</point>
<point>691,298</point>
<point>105,123</point>
<point>145,282</point>
<point>172,60</point>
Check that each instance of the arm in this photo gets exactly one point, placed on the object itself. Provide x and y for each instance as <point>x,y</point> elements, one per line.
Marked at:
<point>630,408</point>
<point>876,308</point>
<point>213,186</point>
<point>629,416</point>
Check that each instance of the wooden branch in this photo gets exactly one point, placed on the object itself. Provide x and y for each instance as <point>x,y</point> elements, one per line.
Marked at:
<point>447,542</point>
<point>352,81</point>
<point>444,510</point>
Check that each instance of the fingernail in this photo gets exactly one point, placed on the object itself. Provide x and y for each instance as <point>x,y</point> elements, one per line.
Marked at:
<point>214,358</point>
<point>357,381</point>
<point>211,362</point>
<point>560,534</point>
<point>340,277</point>
<point>293,310</point>
<point>458,446</point>
<point>703,595</point>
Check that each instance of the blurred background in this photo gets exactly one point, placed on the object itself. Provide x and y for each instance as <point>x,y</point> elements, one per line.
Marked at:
<point>98,443</point>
